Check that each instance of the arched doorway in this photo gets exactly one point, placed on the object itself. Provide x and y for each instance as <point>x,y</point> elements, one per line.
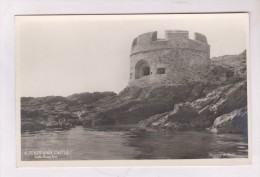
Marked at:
<point>142,68</point>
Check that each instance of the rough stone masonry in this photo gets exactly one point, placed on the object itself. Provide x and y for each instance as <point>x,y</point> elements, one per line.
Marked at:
<point>177,59</point>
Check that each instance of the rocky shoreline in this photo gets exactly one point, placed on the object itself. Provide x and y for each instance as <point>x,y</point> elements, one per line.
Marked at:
<point>218,105</point>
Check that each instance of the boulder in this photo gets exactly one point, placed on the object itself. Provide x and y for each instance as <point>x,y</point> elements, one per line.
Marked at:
<point>233,122</point>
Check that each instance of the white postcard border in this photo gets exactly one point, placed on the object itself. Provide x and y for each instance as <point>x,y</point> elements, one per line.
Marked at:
<point>23,7</point>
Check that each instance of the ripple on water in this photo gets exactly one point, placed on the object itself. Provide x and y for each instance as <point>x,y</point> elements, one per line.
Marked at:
<point>119,143</point>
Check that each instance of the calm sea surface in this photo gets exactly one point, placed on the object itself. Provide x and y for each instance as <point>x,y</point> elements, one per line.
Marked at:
<point>115,142</point>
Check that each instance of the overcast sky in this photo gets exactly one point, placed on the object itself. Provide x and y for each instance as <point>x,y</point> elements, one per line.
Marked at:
<point>63,55</point>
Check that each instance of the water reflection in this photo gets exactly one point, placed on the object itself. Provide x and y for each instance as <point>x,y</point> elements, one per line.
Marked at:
<point>118,142</point>
<point>188,145</point>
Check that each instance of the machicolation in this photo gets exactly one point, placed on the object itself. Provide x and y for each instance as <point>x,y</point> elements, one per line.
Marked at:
<point>174,60</point>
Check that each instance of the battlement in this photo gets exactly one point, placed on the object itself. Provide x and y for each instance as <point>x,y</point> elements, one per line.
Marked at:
<point>147,38</point>
<point>173,39</point>
<point>170,35</point>
<point>176,35</point>
<point>200,37</point>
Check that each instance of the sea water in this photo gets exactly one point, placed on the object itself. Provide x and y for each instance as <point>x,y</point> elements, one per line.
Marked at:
<point>119,142</point>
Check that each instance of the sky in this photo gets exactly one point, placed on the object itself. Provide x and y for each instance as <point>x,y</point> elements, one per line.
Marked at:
<point>63,55</point>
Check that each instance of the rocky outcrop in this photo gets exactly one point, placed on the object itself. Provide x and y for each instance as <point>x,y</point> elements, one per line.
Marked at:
<point>56,111</point>
<point>202,112</point>
<point>229,68</point>
<point>135,104</point>
<point>233,122</point>
<point>218,104</point>
<point>222,97</point>
<point>32,126</point>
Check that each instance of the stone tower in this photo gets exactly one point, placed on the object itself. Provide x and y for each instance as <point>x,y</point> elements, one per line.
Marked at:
<point>173,60</point>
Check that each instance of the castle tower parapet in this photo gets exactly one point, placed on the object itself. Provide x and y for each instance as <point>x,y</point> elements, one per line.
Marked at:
<point>173,39</point>
<point>174,35</point>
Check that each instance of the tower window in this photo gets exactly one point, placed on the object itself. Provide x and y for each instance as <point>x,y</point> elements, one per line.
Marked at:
<point>130,75</point>
<point>134,42</point>
<point>146,71</point>
<point>160,70</point>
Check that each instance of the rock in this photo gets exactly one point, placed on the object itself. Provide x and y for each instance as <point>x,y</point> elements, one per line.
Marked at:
<point>138,130</point>
<point>233,122</point>
<point>179,118</point>
<point>190,105</point>
<point>171,126</point>
<point>32,126</point>
<point>230,64</point>
<point>136,104</point>
<point>88,122</point>
<point>88,98</point>
<point>154,122</point>
<point>201,113</point>
<point>222,100</point>
<point>56,111</point>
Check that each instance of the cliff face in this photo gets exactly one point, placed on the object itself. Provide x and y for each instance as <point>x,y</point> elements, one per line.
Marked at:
<point>206,111</point>
<point>218,104</point>
<point>56,111</point>
<point>222,109</point>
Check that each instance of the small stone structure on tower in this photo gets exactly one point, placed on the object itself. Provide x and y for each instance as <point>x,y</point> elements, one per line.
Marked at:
<point>173,60</point>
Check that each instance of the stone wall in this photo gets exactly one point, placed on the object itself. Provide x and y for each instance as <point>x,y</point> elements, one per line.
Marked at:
<point>181,58</point>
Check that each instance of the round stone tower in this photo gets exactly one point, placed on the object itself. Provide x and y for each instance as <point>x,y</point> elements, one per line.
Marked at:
<point>173,60</point>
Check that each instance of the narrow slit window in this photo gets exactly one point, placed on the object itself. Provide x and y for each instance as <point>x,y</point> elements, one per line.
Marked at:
<point>160,70</point>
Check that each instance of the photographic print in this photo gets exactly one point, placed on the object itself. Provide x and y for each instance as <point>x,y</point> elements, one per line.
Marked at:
<point>132,87</point>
